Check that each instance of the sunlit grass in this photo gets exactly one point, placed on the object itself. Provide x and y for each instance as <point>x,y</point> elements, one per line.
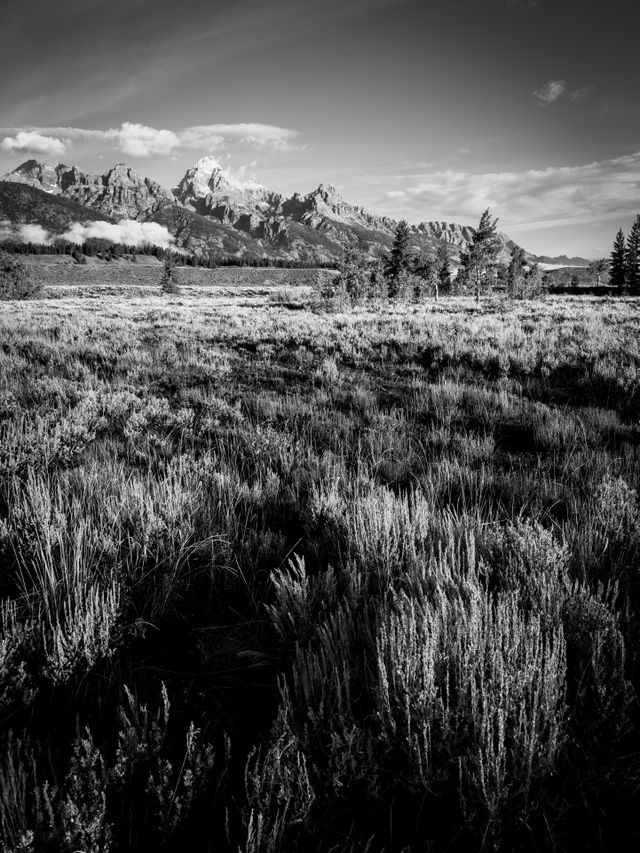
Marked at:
<point>382,564</point>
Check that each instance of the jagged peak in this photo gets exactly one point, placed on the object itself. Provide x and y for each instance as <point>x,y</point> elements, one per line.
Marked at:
<point>29,165</point>
<point>38,165</point>
<point>122,169</point>
<point>327,191</point>
<point>208,175</point>
<point>208,163</point>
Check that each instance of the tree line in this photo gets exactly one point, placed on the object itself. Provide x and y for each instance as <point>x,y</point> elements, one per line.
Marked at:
<point>105,250</point>
<point>406,274</point>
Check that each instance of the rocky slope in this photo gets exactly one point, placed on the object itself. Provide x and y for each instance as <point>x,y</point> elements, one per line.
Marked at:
<point>22,204</point>
<point>118,193</point>
<point>211,210</point>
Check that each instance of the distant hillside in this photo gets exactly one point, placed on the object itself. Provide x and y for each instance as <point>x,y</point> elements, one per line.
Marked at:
<point>560,260</point>
<point>24,204</point>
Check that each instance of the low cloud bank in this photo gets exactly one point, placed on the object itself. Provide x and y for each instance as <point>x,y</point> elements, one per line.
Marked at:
<point>126,231</point>
<point>25,233</point>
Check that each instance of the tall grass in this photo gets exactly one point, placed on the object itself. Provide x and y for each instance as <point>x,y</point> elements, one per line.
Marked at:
<point>287,580</point>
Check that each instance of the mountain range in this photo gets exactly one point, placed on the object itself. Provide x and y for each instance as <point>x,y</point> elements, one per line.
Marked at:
<point>212,211</point>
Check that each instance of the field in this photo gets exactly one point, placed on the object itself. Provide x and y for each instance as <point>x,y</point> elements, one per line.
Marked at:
<point>275,579</point>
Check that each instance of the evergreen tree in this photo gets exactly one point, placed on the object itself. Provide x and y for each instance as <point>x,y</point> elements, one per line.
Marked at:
<point>425,277</point>
<point>169,282</point>
<point>353,278</point>
<point>516,272</point>
<point>479,263</point>
<point>443,263</point>
<point>632,256</point>
<point>399,259</point>
<point>618,262</point>
<point>377,281</point>
<point>534,282</point>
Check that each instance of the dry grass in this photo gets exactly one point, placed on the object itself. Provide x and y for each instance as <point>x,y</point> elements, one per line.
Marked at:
<point>383,564</point>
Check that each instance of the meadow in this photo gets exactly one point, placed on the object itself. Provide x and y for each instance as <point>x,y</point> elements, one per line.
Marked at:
<point>277,579</point>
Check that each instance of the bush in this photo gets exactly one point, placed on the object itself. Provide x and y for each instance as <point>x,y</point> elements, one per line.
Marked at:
<point>14,279</point>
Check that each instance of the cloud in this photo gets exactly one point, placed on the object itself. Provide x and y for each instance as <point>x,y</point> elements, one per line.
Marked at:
<point>582,94</point>
<point>258,136</point>
<point>33,142</point>
<point>126,231</point>
<point>24,233</point>
<point>34,234</point>
<point>550,92</point>
<point>139,140</point>
<point>537,198</point>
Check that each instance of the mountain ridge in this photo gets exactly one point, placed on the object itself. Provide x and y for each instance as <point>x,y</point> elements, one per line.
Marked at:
<point>211,210</point>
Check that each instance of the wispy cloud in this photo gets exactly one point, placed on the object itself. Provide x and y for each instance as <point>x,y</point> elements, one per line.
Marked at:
<point>32,142</point>
<point>256,135</point>
<point>582,94</point>
<point>138,140</point>
<point>550,92</point>
<point>537,198</point>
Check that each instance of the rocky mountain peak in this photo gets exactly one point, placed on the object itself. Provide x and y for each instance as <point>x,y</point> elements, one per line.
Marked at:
<point>210,190</point>
<point>122,170</point>
<point>44,176</point>
<point>208,164</point>
<point>119,192</point>
<point>208,177</point>
<point>328,193</point>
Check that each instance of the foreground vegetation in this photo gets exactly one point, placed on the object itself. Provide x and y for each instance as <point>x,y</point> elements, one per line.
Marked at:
<point>280,579</point>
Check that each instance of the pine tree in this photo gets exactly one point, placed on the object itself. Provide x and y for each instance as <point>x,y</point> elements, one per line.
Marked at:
<point>479,263</point>
<point>516,272</point>
<point>618,263</point>
<point>398,260</point>
<point>632,256</point>
<point>444,266</point>
<point>424,269</point>
<point>353,279</point>
<point>168,282</point>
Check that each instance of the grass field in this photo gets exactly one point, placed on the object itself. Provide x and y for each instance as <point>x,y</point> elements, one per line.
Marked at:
<point>281,580</point>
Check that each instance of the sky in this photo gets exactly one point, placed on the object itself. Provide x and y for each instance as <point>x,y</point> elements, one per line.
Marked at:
<point>415,109</point>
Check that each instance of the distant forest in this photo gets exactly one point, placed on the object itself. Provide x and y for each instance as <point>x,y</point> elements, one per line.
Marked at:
<point>105,250</point>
